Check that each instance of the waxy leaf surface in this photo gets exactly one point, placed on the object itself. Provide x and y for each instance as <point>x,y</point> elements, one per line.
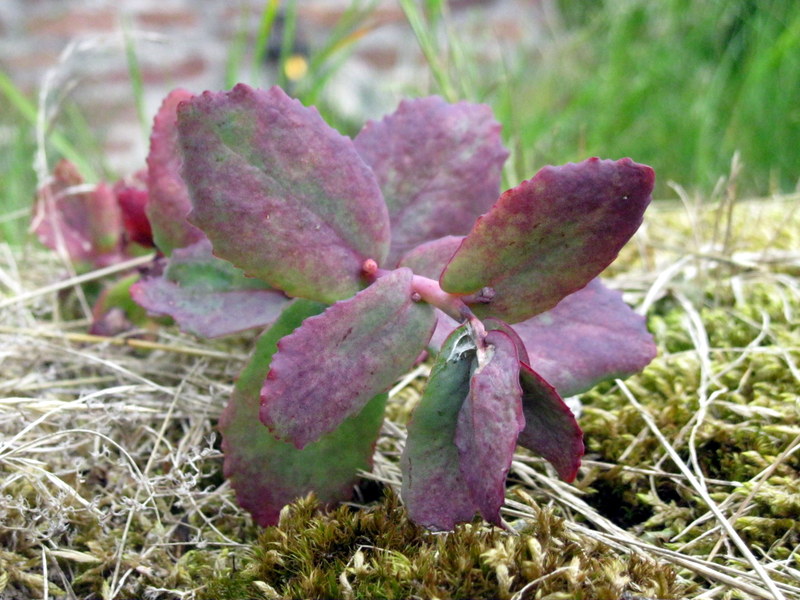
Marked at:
<point>550,427</point>
<point>268,473</point>
<point>488,425</point>
<point>332,365</point>
<point>168,202</point>
<point>280,193</point>
<point>208,296</point>
<point>549,236</point>
<point>434,490</point>
<point>438,166</point>
<point>590,336</point>
<point>430,259</point>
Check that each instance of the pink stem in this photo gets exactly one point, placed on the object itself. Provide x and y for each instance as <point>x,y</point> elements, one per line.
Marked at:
<point>431,292</point>
<point>452,305</point>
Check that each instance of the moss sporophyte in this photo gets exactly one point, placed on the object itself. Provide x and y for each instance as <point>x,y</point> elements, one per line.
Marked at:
<point>356,256</point>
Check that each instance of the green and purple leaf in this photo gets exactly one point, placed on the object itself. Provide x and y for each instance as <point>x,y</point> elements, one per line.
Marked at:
<point>551,430</point>
<point>549,236</point>
<point>208,296</point>
<point>267,473</point>
<point>281,194</point>
<point>438,166</point>
<point>489,423</point>
<point>83,221</point>
<point>168,197</point>
<point>433,489</point>
<point>590,336</point>
<point>336,362</point>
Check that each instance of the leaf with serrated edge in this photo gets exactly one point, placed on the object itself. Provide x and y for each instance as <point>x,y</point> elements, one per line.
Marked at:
<point>168,201</point>
<point>267,473</point>
<point>208,296</point>
<point>281,194</point>
<point>590,336</point>
<point>438,166</point>
<point>550,427</point>
<point>430,259</point>
<point>488,425</point>
<point>549,236</point>
<point>433,488</point>
<point>332,365</point>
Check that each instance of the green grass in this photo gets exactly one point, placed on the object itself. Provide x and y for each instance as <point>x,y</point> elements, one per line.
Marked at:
<point>18,146</point>
<point>679,84</point>
<point>17,181</point>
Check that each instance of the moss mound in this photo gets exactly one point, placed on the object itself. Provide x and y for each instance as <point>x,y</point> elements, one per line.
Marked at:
<point>379,553</point>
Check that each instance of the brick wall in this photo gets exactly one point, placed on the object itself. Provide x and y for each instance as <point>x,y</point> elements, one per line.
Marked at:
<point>76,48</point>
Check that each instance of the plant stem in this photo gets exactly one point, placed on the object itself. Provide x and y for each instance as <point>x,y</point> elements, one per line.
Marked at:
<point>431,292</point>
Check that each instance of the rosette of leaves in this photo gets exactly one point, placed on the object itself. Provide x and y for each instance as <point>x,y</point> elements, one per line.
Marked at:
<point>365,248</point>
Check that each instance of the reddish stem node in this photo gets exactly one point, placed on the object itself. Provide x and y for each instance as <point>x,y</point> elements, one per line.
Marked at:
<point>369,268</point>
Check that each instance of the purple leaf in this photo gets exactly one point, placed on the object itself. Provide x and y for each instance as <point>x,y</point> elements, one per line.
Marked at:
<point>86,224</point>
<point>549,236</point>
<point>280,193</point>
<point>132,198</point>
<point>332,365</point>
<point>550,427</point>
<point>430,259</point>
<point>438,166</point>
<point>433,489</point>
<point>590,336</point>
<point>492,324</point>
<point>489,423</point>
<point>445,325</point>
<point>168,198</point>
<point>267,473</point>
<point>208,296</point>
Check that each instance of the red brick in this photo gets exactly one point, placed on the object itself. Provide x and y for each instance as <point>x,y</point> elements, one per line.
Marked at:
<point>170,71</point>
<point>73,22</point>
<point>167,19</point>
<point>35,60</point>
<point>175,72</point>
<point>380,58</point>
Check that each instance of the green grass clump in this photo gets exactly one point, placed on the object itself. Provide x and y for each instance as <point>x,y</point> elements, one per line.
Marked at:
<point>681,85</point>
<point>379,553</point>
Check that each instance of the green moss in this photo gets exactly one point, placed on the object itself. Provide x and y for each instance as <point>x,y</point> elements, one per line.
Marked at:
<point>379,553</point>
<point>748,392</point>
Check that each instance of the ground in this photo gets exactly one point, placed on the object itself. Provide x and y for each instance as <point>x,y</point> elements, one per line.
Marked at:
<point>110,483</point>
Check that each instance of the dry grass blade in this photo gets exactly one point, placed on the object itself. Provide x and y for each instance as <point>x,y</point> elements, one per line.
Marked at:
<point>703,492</point>
<point>77,280</point>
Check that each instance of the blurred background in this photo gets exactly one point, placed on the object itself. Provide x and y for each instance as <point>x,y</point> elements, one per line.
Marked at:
<point>682,85</point>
